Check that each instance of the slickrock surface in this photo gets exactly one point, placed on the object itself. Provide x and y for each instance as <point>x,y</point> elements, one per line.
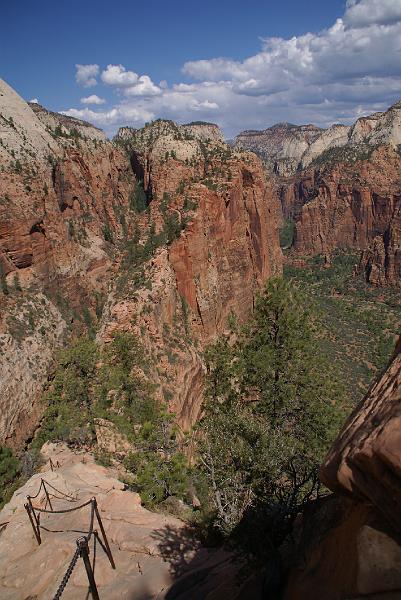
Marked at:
<point>366,458</point>
<point>151,551</point>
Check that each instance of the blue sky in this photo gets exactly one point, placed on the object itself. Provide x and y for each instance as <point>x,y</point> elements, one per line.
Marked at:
<point>240,64</point>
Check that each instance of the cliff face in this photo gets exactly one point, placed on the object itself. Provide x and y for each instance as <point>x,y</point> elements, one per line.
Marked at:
<point>68,217</point>
<point>349,196</point>
<point>62,190</point>
<point>227,247</point>
<point>350,543</point>
<point>281,147</point>
<point>345,205</point>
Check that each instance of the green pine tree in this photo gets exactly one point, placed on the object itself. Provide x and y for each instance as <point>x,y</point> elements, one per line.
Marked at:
<point>273,406</point>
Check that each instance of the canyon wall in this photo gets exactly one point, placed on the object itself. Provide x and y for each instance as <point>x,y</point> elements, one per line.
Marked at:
<point>226,250</point>
<point>343,204</point>
<point>68,221</point>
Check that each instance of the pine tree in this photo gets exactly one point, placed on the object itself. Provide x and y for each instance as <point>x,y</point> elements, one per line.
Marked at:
<point>273,406</point>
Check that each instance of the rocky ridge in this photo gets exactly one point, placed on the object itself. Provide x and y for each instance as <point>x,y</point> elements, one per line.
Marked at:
<point>345,194</point>
<point>69,225</point>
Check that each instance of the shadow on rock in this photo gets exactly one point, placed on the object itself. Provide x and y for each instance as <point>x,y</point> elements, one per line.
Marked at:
<point>201,572</point>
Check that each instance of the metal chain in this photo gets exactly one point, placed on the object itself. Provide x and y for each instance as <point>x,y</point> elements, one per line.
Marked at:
<point>67,575</point>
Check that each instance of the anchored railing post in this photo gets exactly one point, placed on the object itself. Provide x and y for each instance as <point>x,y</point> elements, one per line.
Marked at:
<point>106,542</point>
<point>84,551</point>
<point>35,526</point>
<point>47,495</point>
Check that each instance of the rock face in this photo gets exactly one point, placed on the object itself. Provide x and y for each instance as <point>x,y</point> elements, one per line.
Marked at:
<point>348,195</point>
<point>227,249</point>
<point>152,552</point>
<point>67,217</point>
<point>345,205</point>
<point>61,197</point>
<point>281,146</point>
<point>365,461</point>
<point>350,547</point>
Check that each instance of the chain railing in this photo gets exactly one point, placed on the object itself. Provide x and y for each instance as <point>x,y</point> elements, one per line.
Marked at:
<point>82,542</point>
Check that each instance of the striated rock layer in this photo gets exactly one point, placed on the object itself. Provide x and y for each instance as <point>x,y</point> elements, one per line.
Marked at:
<point>68,221</point>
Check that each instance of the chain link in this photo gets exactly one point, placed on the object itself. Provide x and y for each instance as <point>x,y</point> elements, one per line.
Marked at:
<point>67,575</point>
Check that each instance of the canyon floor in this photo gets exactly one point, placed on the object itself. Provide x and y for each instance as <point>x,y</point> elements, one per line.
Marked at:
<point>359,323</point>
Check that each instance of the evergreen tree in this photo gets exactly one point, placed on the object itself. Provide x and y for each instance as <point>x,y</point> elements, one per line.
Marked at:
<point>273,406</point>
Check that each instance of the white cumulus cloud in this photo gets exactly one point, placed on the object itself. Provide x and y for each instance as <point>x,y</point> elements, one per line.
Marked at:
<point>86,75</point>
<point>351,68</point>
<point>93,99</point>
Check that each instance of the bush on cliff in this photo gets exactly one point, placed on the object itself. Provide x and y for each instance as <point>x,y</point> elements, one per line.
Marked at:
<point>273,406</point>
<point>10,469</point>
<point>111,383</point>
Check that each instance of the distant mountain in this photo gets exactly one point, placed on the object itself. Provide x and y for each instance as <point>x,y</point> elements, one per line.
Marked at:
<point>286,148</point>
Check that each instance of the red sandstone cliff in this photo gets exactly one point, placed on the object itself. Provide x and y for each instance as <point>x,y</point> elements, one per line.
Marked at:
<point>345,205</point>
<point>228,248</point>
<point>66,220</point>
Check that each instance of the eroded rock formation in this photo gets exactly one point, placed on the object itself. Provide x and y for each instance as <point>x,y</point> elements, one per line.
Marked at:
<point>227,249</point>
<point>67,223</point>
<point>156,556</point>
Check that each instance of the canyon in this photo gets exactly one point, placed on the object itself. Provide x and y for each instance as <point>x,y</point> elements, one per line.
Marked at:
<point>167,233</point>
<point>68,214</point>
<point>341,187</point>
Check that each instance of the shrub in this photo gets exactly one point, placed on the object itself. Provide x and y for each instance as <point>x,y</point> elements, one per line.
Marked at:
<point>10,469</point>
<point>138,200</point>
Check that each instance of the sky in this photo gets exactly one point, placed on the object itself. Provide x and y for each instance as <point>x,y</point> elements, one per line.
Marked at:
<point>242,65</point>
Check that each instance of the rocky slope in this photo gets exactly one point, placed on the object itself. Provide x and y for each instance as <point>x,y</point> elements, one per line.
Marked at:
<point>155,555</point>
<point>350,545</point>
<point>60,194</point>
<point>71,232</point>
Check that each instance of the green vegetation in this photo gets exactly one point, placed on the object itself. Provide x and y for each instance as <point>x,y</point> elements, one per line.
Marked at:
<point>359,323</point>
<point>10,469</point>
<point>138,200</point>
<point>287,233</point>
<point>274,404</point>
<point>107,233</point>
<point>3,282</point>
<point>111,384</point>
<point>347,154</point>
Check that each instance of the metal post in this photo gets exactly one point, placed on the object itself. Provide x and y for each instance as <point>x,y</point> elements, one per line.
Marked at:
<point>106,543</point>
<point>47,496</point>
<point>28,508</point>
<point>84,550</point>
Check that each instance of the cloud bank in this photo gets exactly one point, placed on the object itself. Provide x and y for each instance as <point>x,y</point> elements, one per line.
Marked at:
<point>336,75</point>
